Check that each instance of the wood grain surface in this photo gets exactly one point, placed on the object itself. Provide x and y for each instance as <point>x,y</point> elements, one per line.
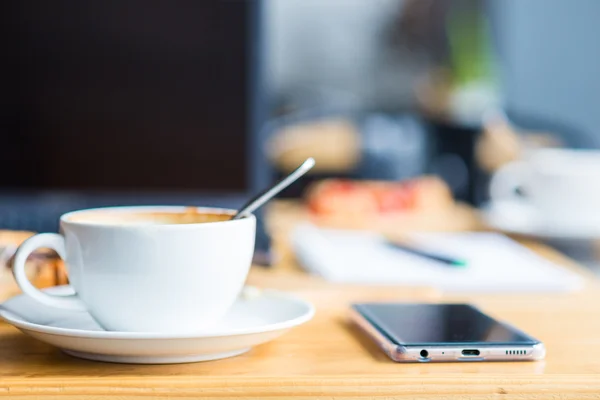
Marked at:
<point>328,358</point>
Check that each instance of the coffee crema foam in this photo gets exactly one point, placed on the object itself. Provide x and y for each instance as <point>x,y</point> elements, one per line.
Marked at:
<point>189,216</point>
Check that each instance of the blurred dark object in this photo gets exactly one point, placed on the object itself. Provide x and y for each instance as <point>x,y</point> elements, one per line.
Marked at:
<point>126,95</point>
<point>453,158</point>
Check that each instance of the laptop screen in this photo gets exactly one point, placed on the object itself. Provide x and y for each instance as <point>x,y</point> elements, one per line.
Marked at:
<point>128,95</point>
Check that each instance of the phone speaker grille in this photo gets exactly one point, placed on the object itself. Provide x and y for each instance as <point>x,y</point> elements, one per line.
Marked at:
<point>516,352</point>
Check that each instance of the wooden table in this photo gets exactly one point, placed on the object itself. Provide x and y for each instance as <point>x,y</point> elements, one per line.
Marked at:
<point>328,358</point>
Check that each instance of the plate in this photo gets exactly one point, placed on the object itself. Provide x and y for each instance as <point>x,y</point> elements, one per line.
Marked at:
<point>257,317</point>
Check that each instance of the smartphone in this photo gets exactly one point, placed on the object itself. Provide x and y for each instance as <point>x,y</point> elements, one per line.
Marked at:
<point>443,333</point>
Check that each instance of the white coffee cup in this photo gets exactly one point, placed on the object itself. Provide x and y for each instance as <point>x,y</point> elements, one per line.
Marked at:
<point>562,186</point>
<point>133,271</point>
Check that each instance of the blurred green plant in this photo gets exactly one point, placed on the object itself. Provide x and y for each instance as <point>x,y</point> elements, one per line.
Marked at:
<point>471,55</point>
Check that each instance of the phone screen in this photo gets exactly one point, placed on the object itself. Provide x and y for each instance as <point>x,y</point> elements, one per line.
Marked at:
<point>431,324</point>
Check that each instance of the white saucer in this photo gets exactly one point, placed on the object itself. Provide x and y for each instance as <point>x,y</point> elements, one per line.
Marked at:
<point>254,319</point>
<point>518,217</point>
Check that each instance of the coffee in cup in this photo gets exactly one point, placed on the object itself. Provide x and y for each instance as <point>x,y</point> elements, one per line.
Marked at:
<point>189,215</point>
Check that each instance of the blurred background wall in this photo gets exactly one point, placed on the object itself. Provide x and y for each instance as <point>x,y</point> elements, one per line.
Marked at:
<point>550,58</point>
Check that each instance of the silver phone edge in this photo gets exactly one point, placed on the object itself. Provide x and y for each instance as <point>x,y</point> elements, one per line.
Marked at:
<point>398,353</point>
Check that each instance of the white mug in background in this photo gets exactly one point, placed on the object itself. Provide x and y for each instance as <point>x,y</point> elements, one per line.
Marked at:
<point>133,274</point>
<point>561,186</point>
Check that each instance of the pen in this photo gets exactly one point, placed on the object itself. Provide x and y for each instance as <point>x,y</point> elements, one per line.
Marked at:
<point>445,259</point>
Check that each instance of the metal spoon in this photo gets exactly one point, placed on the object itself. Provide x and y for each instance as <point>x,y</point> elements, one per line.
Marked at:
<point>269,193</point>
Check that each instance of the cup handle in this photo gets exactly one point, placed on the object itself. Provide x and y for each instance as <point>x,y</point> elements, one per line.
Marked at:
<point>508,179</point>
<point>52,241</point>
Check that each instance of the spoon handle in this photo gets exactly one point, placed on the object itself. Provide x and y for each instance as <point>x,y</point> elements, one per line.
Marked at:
<point>266,195</point>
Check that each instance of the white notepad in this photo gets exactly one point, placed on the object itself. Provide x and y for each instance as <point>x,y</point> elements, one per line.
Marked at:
<point>495,262</point>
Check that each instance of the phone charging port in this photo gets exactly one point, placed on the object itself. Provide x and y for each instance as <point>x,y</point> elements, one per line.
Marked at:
<point>470,352</point>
